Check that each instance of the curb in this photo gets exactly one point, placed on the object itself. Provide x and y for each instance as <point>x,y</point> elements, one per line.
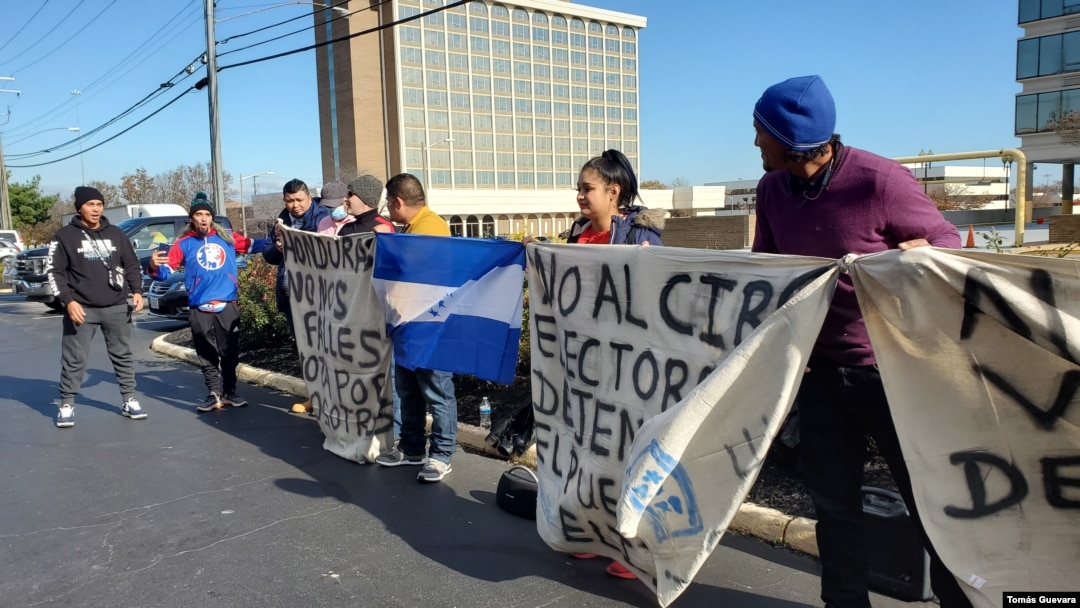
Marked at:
<point>770,525</point>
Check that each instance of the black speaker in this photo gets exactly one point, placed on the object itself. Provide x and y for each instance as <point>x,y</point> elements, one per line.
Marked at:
<point>899,565</point>
<point>516,492</point>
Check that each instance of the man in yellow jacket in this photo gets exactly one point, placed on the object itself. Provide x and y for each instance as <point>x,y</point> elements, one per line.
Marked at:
<point>421,390</point>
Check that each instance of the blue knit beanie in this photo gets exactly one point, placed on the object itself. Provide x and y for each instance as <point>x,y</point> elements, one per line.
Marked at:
<point>798,112</point>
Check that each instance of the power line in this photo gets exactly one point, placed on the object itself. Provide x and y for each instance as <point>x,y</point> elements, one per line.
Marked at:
<point>67,39</point>
<point>290,20</point>
<point>49,114</point>
<point>148,117</point>
<point>28,22</point>
<point>377,28</point>
<point>58,24</point>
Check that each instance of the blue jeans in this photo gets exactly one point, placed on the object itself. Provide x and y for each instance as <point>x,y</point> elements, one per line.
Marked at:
<point>421,391</point>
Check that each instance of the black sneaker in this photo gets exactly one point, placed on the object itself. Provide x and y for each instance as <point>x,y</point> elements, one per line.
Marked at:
<point>213,402</point>
<point>231,398</point>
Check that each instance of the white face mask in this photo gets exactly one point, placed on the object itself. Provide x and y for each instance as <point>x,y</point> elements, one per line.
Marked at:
<point>339,213</point>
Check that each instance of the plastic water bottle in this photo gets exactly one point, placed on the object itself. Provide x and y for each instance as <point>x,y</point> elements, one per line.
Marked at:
<point>485,413</point>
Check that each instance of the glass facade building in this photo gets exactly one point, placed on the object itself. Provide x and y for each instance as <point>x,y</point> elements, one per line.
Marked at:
<point>486,95</point>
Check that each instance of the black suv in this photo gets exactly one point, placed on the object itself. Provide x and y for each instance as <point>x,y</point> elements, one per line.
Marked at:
<point>146,233</point>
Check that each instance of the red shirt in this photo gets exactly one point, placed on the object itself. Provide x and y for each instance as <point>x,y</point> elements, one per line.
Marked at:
<point>592,237</point>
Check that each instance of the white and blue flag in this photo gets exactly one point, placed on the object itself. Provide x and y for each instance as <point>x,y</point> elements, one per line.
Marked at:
<point>452,304</point>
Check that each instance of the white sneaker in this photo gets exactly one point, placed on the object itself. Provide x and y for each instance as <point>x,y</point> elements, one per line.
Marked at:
<point>434,471</point>
<point>132,409</point>
<point>66,416</point>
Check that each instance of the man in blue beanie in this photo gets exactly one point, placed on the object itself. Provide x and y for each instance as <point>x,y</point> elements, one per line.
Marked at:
<point>821,198</point>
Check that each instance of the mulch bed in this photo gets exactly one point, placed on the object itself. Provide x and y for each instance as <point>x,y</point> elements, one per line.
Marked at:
<point>778,485</point>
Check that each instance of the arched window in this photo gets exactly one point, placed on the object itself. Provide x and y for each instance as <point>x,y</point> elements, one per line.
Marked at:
<point>540,18</point>
<point>558,21</point>
<point>611,30</point>
<point>628,32</point>
<point>595,28</point>
<point>472,227</point>
<point>487,228</point>
<point>499,10</point>
<point>520,15</point>
<point>456,228</point>
<point>577,24</point>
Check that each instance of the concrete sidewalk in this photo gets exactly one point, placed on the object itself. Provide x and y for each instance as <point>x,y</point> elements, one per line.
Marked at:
<point>770,525</point>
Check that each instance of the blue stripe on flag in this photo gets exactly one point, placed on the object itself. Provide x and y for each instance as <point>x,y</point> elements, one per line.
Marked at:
<point>452,304</point>
<point>468,345</point>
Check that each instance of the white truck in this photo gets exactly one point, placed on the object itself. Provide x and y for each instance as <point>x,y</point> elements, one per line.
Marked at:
<point>119,214</point>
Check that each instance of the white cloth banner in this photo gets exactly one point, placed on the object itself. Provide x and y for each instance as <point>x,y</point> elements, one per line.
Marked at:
<point>635,463</point>
<point>341,335</point>
<point>979,357</point>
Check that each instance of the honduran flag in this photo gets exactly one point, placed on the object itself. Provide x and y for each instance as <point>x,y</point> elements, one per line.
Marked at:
<point>452,304</point>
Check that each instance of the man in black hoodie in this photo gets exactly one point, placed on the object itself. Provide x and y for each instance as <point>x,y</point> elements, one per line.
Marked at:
<point>92,267</point>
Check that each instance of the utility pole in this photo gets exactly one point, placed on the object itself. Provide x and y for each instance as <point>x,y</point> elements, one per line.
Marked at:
<point>215,127</point>
<point>5,202</point>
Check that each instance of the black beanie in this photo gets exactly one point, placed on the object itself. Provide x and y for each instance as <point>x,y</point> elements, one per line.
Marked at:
<point>199,203</point>
<point>87,193</point>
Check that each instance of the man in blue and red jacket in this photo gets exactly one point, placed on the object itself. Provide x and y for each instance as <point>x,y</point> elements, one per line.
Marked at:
<point>207,251</point>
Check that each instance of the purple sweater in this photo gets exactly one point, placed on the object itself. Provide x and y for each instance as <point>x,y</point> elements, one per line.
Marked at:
<point>871,204</point>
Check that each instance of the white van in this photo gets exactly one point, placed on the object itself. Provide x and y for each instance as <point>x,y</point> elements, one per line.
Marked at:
<point>13,236</point>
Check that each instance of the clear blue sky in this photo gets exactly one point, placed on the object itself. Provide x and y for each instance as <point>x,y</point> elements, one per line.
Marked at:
<point>906,77</point>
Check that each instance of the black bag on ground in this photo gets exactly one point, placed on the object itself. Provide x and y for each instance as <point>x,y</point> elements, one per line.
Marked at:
<point>514,432</point>
<point>899,565</point>
<point>516,492</point>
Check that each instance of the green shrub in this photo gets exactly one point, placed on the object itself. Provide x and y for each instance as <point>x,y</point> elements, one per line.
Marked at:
<point>260,321</point>
<point>524,360</point>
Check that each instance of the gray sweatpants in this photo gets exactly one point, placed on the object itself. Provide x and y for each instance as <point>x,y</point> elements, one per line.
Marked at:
<point>115,324</point>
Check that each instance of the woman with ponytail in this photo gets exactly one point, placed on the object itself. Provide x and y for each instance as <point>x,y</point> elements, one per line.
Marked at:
<point>607,193</point>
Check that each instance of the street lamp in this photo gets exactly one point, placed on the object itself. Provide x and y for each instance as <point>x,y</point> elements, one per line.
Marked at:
<point>82,167</point>
<point>427,161</point>
<point>74,129</point>
<point>254,187</point>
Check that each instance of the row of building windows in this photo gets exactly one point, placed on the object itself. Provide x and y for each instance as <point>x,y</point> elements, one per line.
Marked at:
<point>500,13</point>
<point>461,80</point>
<point>411,38</point>
<point>1039,113</point>
<point>1048,55</point>
<point>497,48</point>
<point>459,63</point>
<point>545,93</point>
<point>507,105</point>
<point>440,119</point>
<point>500,179</point>
<point>1034,10</point>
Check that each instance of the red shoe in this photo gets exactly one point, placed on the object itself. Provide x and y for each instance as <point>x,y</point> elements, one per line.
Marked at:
<point>619,571</point>
<point>584,555</point>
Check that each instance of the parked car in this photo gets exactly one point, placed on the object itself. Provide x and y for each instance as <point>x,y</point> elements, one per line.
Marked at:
<point>8,251</point>
<point>169,298</point>
<point>12,236</point>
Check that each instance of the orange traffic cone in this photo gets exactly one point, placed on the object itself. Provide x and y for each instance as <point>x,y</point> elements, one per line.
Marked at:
<point>970,244</point>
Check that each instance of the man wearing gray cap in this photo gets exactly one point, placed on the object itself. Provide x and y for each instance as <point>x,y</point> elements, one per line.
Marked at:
<point>822,198</point>
<point>358,212</point>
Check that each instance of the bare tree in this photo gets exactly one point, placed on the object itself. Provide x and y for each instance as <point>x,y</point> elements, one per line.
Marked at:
<point>1068,128</point>
<point>113,195</point>
<point>138,187</point>
<point>652,184</point>
<point>952,197</point>
<point>680,182</point>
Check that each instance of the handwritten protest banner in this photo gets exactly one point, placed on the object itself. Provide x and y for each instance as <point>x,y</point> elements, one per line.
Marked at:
<point>979,359</point>
<point>341,335</point>
<point>635,463</point>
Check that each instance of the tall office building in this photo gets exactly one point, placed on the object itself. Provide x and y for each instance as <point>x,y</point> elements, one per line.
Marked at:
<point>486,96</point>
<point>1048,67</point>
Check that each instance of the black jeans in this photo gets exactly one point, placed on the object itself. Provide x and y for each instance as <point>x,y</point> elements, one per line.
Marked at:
<point>217,343</point>
<point>838,407</point>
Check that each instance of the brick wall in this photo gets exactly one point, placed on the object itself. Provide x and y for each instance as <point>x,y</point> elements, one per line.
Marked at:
<point>1063,229</point>
<point>710,231</point>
